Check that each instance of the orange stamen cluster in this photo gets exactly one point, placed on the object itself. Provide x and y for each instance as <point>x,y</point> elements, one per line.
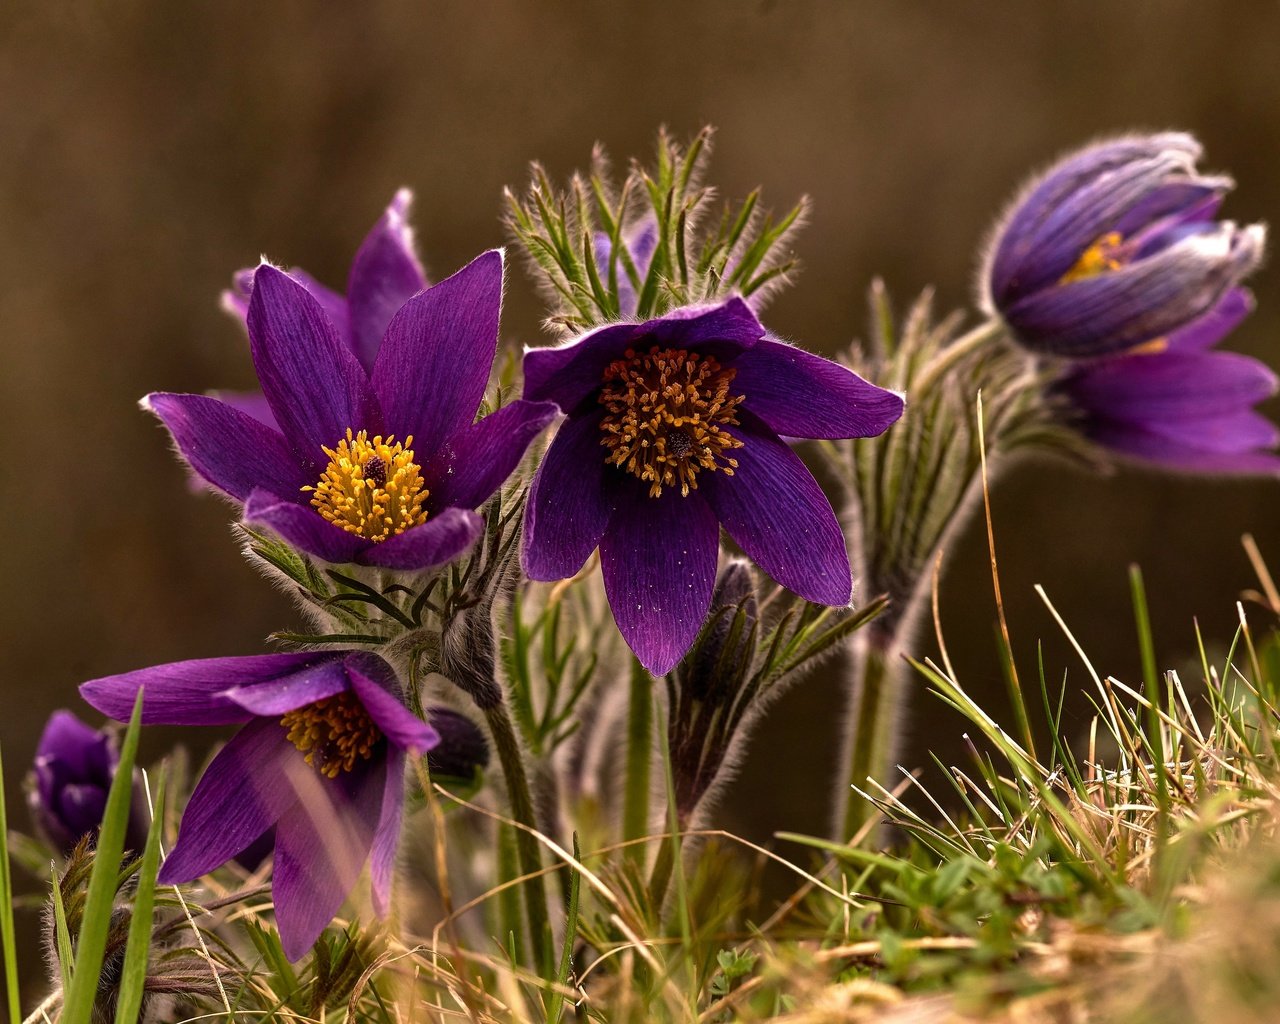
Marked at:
<point>371,488</point>
<point>1100,258</point>
<point>665,414</point>
<point>335,733</point>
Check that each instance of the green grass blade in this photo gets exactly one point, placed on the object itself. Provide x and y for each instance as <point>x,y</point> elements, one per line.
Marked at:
<point>8,945</point>
<point>635,805</point>
<point>556,1007</point>
<point>78,1004</point>
<point>1155,732</point>
<point>134,971</point>
<point>61,933</point>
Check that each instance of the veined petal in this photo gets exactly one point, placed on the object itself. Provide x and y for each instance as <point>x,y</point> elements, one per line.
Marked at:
<point>322,843</point>
<point>385,274</point>
<point>379,691</point>
<point>238,798</point>
<point>433,367</point>
<point>313,382</point>
<point>1227,434</point>
<point>775,510</point>
<point>1213,326</point>
<point>658,557</point>
<point>193,692</point>
<point>475,461</point>
<point>303,527</point>
<point>235,300</point>
<point>1138,442</point>
<point>442,538</point>
<point>319,678</point>
<point>802,395</point>
<point>230,449</point>
<point>251,403</point>
<point>1120,309</point>
<point>568,507</point>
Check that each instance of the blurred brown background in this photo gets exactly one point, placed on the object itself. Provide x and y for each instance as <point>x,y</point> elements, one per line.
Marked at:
<point>150,148</point>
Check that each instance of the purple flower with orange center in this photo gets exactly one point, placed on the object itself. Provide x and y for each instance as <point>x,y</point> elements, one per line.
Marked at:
<point>674,426</point>
<point>379,464</point>
<point>1179,404</point>
<point>321,758</point>
<point>1116,246</point>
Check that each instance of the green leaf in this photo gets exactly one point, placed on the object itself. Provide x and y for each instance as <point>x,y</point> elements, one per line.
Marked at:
<point>61,934</point>
<point>8,945</point>
<point>133,973</point>
<point>556,1007</point>
<point>78,1003</point>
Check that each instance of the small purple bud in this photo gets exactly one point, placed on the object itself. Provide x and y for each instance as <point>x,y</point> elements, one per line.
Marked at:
<point>73,770</point>
<point>710,670</point>
<point>1114,247</point>
<point>462,750</point>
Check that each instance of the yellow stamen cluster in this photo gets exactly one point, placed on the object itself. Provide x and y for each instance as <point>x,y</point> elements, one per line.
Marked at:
<point>664,414</point>
<point>1099,258</point>
<point>335,733</point>
<point>372,488</point>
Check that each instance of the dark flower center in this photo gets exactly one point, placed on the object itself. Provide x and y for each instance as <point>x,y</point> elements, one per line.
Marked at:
<point>665,412</point>
<point>335,733</point>
<point>371,487</point>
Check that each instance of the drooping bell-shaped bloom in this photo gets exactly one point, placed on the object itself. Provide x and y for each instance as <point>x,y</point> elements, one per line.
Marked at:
<point>321,758</point>
<point>74,768</point>
<point>673,428</point>
<point>385,274</point>
<point>381,467</point>
<point>1177,402</point>
<point>1115,246</point>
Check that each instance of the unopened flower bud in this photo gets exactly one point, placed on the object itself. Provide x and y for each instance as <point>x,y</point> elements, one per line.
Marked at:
<point>463,749</point>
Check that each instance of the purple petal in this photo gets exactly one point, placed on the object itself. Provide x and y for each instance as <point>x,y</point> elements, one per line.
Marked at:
<point>658,557</point>
<point>571,374</point>
<point>385,274</point>
<point>776,512</point>
<point>378,689</point>
<point>251,403</point>
<point>442,538</point>
<point>386,840</point>
<point>242,793</point>
<point>236,299</point>
<point>314,383</point>
<point>434,364</point>
<point>303,527</point>
<point>1171,386</point>
<point>802,395</point>
<point>1227,434</point>
<point>1117,310</point>
<point>228,448</point>
<point>1214,325</point>
<point>81,750</point>
<point>1148,446</point>
<point>475,462</point>
<point>569,506</point>
<point>322,843</point>
<point>314,681</point>
<point>192,692</point>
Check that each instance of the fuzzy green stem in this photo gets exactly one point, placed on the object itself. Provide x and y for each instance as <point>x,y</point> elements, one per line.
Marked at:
<point>635,807</point>
<point>512,760</point>
<point>968,343</point>
<point>873,702</point>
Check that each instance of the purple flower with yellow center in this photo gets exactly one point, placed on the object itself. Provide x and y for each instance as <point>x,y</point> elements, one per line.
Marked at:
<point>1178,403</point>
<point>321,758</point>
<point>1116,246</point>
<point>674,426</point>
<point>74,768</point>
<point>379,465</point>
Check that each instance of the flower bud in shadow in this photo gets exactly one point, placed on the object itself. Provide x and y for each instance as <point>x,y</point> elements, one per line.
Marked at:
<point>67,791</point>
<point>463,749</point>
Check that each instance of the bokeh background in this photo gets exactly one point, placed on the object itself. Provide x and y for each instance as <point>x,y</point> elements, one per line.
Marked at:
<point>150,148</point>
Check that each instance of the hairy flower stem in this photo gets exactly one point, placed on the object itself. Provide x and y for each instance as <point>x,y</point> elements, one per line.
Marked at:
<point>874,718</point>
<point>635,808</point>
<point>511,758</point>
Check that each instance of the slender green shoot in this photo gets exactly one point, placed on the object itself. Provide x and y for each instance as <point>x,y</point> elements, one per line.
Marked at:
<point>8,944</point>
<point>133,974</point>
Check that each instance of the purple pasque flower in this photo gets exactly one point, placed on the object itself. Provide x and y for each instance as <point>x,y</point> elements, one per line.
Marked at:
<point>382,467</point>
<point>321,758</point>
<point>1115,246</point>
<point>673,428</point>
<point>74,768</point>
<point>1178,403</point>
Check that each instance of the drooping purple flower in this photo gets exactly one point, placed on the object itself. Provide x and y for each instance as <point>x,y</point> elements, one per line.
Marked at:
<point>673,428</point>
<point>1178,403</point>
<point>1115,246</point>
<point>74,768</point>
<point>462,750</point>
<point>321,758</point>
<point>381,467</point>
